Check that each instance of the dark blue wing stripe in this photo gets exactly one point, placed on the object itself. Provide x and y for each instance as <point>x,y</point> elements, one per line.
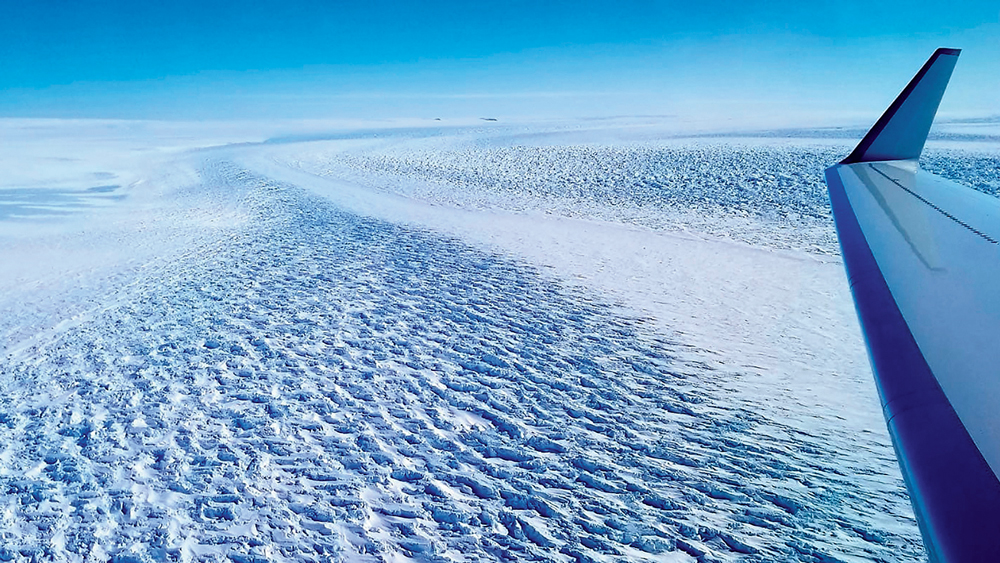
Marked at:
<point>955,494</point>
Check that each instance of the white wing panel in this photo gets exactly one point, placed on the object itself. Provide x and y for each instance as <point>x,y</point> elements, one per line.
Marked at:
<point>936,245</point>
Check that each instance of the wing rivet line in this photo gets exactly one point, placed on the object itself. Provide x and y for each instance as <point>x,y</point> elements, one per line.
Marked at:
<point>984,236</point>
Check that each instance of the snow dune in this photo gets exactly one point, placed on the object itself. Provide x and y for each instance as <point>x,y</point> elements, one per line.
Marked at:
<point>345,350</point>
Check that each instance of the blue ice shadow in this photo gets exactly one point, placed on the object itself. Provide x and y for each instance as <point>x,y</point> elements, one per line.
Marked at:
<point>35,203</point>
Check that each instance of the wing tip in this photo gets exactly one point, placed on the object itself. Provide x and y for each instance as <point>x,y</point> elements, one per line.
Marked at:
<point>908,148</point>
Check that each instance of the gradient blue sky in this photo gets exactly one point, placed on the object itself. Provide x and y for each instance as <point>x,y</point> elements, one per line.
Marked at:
<point>214,59</point>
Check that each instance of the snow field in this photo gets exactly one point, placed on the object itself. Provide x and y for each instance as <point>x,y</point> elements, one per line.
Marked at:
<point>756,194</point>
<point>318,385</point>
<point>544,350</point>
<point>764,192</point>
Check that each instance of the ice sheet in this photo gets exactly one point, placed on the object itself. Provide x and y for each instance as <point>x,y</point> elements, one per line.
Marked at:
<point>316,349</point>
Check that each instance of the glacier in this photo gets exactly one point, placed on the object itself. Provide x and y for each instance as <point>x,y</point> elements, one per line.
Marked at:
<point>554,342</point>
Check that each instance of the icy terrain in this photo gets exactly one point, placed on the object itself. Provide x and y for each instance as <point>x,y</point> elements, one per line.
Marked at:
<point>467,344</point>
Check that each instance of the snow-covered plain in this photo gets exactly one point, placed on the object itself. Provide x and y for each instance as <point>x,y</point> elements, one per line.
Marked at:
<point>559,342</point>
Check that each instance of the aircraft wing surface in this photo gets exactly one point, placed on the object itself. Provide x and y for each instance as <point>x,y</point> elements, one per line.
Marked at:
<point>923,261</point>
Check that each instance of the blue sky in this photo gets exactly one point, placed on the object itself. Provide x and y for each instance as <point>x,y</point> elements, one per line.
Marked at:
<point>212,59</point>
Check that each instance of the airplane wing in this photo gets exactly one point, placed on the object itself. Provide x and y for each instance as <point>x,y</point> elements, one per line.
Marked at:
<point>923,261</point>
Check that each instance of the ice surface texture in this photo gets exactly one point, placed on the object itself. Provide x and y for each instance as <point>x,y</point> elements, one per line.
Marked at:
<point>316,385</point>
<point>30,203</point>
<point>763,193</point>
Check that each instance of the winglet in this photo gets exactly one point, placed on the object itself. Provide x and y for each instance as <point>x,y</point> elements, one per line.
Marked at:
<point>902,130</point>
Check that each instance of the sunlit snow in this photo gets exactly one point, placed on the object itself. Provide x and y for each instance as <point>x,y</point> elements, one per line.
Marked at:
<point>558,342</point>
